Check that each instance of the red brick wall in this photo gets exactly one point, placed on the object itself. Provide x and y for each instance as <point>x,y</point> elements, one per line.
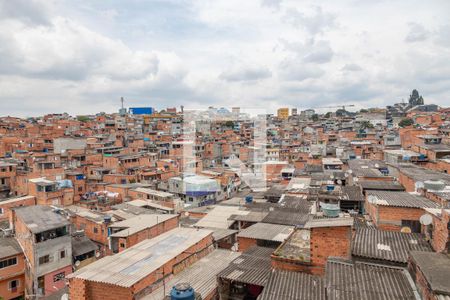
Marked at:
<point>245,243</point>
<point>325,242</point>
<point>330,241</point>
<point>387,215</point>
<point>440,232</point>
<point>88,290</point>
<point>10,273</point>
<point>421,282</point>
<point>7,206</point>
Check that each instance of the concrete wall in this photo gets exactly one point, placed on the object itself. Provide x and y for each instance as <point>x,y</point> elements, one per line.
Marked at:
<point>62,144</point>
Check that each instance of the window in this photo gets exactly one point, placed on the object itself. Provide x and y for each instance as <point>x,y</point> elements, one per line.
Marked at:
<point>62,254</point>
<point>413,225</point>
<point>13,284</point>
<point>95,230</point>
<point>59,276</point>
<point>44,259</point>
<point>122,245</point>
<point>1,211</point>
<point>8,262</point>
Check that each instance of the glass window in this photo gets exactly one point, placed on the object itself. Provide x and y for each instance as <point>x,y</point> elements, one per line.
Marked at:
<point>13,284</point>
<point>44,259</point>
<point>8,262</point>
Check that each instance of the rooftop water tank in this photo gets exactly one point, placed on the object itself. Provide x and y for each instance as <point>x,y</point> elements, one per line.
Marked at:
<point>107,219</point>
<point>248,199</point>
<point>330,210</point>
<point>182,291</point>
<point>330,188</point>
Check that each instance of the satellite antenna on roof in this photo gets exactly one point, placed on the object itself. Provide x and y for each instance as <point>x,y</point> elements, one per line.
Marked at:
<point>405,229</point>
<point>426,219</point>
<point>419,185</point>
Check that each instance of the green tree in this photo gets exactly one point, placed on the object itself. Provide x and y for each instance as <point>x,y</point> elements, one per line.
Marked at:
<point>83,119</point>
<point>315,117</point>
<point>366,124</point>
<point>406,122</point>
<point>328,114</point>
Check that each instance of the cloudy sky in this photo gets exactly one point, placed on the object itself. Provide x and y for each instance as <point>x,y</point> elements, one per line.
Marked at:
<point>82,56</point>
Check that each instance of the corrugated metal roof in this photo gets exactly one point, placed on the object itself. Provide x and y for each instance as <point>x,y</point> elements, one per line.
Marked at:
<point>399,199</point>
<point>316,222</point>
<point>139,223</point>
<point>253,216</point>
<point>219,217</point>
<point>201,275</point>
<point>381,185</point>
<point>387,245</point>
<point>361,281</point>
<point>285,285</point>
<point>220,233</point>
<point>286,217</point>
<point>299,203</point>
<point>351,193</point>
<point>268,232</point>
<point>251,267</point>
<point>135,263</point>
<point>421,174</point>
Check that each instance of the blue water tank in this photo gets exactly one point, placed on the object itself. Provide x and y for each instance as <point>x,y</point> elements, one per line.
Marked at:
<point>330,187</point>
<point>182,291</point>
<point>248,199</point>
<point>330,210</point>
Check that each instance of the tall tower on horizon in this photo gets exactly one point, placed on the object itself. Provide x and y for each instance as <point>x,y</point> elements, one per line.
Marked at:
<point>122,110</point>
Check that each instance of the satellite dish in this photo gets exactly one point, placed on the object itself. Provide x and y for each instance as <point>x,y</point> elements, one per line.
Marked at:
<point>350,171</point>
<point>77,263</point>
<point>405,229</point>
<point>377,166</point>
<point>97,254</point>
<point>419,185</point>
<point>65,297</point>
<point>426,219</point>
